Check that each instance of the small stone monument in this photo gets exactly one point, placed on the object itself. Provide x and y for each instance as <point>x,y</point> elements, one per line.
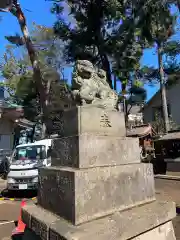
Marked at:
<point>97,188</point>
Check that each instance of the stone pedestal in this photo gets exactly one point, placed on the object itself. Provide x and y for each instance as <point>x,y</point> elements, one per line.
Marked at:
<point>97,188</point>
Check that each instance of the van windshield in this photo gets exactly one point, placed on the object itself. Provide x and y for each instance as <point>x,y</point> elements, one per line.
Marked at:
<point>36,152</point>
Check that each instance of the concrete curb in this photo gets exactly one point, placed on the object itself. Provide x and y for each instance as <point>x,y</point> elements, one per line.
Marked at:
<point>167,177</point>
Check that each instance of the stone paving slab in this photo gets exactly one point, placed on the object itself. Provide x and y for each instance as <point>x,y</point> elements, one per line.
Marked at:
<point>168,189</point>
<point>5,231</point>
<point>9,212</point>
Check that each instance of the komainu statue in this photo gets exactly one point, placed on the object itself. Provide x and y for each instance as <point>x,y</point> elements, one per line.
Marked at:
<point>89,86</point>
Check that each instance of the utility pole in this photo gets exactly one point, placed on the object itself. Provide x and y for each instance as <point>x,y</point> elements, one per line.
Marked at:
<point>163,89</point>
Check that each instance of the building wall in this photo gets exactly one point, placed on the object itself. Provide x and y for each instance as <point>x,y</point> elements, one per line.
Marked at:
<point>173,99</point>
<point>6,125</point>
<point>6,134</point>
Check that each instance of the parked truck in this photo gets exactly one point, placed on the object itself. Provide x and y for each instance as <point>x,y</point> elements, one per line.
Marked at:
<point>25,161</point>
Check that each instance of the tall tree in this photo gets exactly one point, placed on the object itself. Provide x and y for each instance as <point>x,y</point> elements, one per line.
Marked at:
<point>114,34</point>
<point>19,79</point>
<point>90,38</point>
<point>14,8</point>
<point>167,74</point>
<point>103,31</point>
<point>160,24</point>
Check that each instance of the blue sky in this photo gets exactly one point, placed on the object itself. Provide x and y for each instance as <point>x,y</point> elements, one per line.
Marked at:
<point>39,11</point>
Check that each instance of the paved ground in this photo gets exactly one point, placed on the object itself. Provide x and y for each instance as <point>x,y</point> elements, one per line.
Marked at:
<point>9,210</point>
<point>169,190</point>
<point>8,213</point>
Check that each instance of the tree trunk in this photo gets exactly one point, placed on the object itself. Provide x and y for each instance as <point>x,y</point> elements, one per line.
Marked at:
<point>163,90</point>
<point>106,67</point>
<point>98,7</point>
<point>125,112</point>
<point>35,64</point>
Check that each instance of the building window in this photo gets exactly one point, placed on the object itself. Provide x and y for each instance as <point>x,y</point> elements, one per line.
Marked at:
<point>158,112</point>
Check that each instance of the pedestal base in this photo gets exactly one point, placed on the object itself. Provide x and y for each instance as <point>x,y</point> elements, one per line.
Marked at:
<point>147,222</point>
<point>81,195</point>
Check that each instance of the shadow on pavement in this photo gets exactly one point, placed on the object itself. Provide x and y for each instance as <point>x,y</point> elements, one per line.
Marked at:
<point>27,235</point>
<point>178,210</point>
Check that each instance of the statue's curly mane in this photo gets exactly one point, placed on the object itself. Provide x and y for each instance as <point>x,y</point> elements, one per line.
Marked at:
<point>90,86</point>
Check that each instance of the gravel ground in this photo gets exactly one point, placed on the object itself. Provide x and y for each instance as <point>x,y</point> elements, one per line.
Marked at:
<point>169,190</point>
<point>9,211</point>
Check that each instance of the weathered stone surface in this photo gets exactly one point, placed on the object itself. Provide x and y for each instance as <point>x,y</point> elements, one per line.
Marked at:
<point>86,194</point>
<point>40,225</point>
<point>163,232</point>
<point>129,224</point>
<point>91,151</point>
<point>98,121</point>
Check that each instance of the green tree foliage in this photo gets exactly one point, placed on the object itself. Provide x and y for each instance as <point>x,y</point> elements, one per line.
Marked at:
<point>90,37</point>
<point>168,49</point>
<point>18,73</point>
<point>112,34</point>
<point>102,32</point>
<point>161,27</point>
<point>171,70</point>
<point>12,70</point>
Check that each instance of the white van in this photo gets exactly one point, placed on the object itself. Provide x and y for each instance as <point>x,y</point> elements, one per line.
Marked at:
<point>25,161</point>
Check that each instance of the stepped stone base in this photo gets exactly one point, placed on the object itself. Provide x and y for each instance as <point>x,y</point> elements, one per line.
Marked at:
<point>146,222</point>
<point>81,195</point>
<point>98,189</point>
<point>89,150</point>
